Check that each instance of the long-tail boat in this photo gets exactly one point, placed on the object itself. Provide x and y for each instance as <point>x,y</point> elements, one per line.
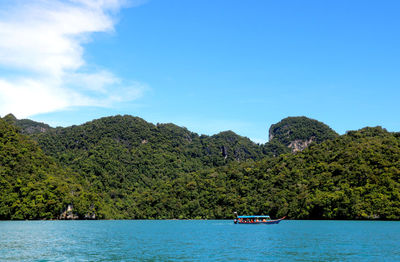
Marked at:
<point>254,220</point>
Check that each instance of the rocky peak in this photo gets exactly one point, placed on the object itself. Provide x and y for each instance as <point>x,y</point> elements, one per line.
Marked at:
<point>297,133</point>
<point>27,126</point>
<point>10,118</point>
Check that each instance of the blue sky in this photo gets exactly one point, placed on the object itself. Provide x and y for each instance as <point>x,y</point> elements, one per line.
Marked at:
<point>206,65</point>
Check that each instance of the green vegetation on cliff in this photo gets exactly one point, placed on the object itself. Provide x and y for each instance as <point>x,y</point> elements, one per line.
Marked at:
<point>125,167</point>
<point>296,133</point>
<point>355,176</point>
<point>122,156</point>
<point>32,185</point>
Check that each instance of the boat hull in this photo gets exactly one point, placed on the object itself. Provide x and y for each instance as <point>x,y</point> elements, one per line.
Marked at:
<point>269,222</point>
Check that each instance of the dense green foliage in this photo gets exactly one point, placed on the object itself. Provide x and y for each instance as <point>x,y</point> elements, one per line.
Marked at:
<point>32,185</point>
<point>140,139</point>
<point>125,167</point>
<point>282,135</point>
<point>355,176</point>
<point>123,154</point>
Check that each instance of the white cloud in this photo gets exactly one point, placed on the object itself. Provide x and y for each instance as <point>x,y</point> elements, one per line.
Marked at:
<point>96,82</point>
<point>41,41</point>
<point>26,96</point>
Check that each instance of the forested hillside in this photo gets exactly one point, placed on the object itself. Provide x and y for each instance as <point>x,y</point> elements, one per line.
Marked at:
<point>32,185</point>
<point>355,176</point>
<point>129,149</point>
<point>123,154</point>
<point>165,142</point>
<point>124,167</point>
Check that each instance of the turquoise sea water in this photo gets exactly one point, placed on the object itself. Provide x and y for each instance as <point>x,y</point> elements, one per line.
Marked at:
<point>214,240</point>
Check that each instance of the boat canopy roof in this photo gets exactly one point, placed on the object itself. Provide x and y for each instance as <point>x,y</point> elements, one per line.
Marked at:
<point>253,217</point>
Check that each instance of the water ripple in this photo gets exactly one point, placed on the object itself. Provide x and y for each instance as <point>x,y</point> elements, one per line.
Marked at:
<point>171,240</point>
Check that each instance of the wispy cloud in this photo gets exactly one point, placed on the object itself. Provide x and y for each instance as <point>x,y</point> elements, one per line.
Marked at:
<point>41,43</point>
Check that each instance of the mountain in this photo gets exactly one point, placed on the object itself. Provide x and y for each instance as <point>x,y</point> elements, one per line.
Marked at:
<point>124,167</point>
<point>137,138</point>
<point>33,185</point>
<point>354,176</point>
<point>123,155</point>
<point>27,126</point>
<point>297,133</point>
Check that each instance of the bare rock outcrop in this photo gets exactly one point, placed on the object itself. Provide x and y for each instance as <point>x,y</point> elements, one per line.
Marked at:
<point>68,214</point>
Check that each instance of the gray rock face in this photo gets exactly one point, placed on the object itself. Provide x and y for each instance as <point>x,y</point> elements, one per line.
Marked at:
<point>68,214</point>
<point>224,152</point>
<point>90,216</point>
<point>299,145</point>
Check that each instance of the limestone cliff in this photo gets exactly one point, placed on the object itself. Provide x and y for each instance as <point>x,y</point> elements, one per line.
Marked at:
<point>297,133</point>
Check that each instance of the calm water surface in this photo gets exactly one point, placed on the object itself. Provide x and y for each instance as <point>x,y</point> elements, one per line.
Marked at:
<point>199,241</point>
